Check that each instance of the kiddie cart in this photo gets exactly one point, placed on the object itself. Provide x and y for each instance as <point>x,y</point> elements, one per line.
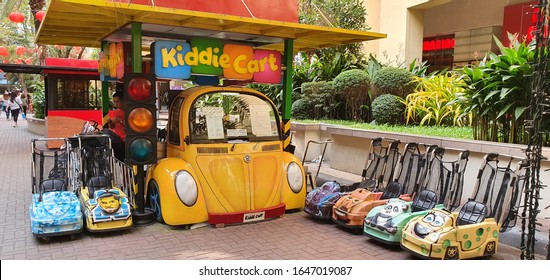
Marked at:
<point>474,230</point>
<point>350,210</point>
<point>55,209</point>
<point>441,188</point>
<point>319,201</point>
<point>105,207</point>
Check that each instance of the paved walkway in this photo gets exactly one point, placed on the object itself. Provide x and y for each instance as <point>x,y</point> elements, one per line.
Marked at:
<point>294,236</point>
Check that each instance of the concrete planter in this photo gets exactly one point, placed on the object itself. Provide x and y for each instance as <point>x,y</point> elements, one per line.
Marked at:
<point>36,126</point>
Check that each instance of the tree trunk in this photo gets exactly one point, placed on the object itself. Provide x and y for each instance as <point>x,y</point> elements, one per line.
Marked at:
<point>22,83</point>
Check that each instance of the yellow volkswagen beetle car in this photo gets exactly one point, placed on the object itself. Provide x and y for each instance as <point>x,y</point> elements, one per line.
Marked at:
<point>225,162</point>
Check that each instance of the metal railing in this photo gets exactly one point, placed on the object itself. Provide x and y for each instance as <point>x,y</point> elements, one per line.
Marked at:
<point>123,177</point>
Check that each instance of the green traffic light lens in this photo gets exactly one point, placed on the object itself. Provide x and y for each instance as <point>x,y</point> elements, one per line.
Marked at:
<point>140,89</point>
<point>141,150</point>
<point>140,120</point>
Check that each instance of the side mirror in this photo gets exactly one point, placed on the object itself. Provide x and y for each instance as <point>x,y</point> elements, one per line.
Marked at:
<point>187,140</point>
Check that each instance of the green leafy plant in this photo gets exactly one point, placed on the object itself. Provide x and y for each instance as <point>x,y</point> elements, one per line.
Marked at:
<point>353,86</point>
<point>392,80</point>
<point>301,109</point>
<point>273,92</point>
<point>39,103</point>
<point>497,93</point>
<point>434,101</point>
<point>322,100</point>
<point>347,14</point>
<point>387,109</point>
<point>462,132</point>
<point>419,70</point>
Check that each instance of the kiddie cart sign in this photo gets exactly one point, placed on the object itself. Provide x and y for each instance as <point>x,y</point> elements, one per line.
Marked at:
<point>203,56</point>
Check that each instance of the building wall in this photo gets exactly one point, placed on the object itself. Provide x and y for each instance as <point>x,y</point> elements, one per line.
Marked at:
<point>459,15</point>
<point>403,22</point>
<point>407,22</point>
<point>372,8</point>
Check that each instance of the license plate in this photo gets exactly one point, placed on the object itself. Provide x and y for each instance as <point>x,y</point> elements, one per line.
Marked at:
<point>252,217</point>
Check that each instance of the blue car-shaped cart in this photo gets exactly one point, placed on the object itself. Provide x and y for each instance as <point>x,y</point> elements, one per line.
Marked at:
<point>55,209</point>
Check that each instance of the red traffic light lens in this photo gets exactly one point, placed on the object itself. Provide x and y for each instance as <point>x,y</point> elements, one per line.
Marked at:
<point>140,120</point>
<point>141,150</point>
<point>140,89</point>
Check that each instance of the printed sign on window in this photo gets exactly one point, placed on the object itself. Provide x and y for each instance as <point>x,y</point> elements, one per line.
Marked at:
<point>260,120</point>
<point>214,124</point>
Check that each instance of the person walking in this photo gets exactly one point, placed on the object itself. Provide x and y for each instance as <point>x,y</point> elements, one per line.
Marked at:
<point>5,106</point>
<point>24,105</point>
<point>14,104</point>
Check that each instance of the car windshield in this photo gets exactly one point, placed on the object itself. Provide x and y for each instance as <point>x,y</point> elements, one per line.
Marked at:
<point>230,117</point>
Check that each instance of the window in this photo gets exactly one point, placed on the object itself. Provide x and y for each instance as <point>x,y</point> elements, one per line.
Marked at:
<point>74,92</point>
<point>174,122</point>
<point>229,117</point>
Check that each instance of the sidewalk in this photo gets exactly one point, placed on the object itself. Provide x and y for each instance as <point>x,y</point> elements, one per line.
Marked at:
<point>295,236</point>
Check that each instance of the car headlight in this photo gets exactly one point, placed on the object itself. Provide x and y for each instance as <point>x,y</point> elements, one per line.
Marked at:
<point>186,188</point>
<point>294,177</point>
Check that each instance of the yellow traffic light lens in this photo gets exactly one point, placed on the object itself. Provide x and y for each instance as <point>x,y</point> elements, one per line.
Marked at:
<point>140,120</point>
<point>139,89</point>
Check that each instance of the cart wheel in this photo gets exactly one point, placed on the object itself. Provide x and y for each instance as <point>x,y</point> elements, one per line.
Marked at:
<point>357,230</point>
<point>451,253</point>
<point>45,239</point>
<point>154,200</point>
<point>490,248</point>
<point>73,236</point>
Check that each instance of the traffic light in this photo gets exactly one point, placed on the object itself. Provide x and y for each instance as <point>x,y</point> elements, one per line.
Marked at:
<point>140,119</point>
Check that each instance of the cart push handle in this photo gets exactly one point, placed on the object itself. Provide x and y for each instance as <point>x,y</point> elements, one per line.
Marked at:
<point>324,143</point>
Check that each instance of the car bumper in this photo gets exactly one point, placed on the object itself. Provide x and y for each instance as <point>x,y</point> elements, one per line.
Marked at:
<point>348,220</point>
<point>383,235</point>
<point>51,227</point>
<point>246,216</point>
<point>319,211</point>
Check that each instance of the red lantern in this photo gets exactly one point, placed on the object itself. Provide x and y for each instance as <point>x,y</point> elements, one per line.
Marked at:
<point>20,50</point>
<point>16,17</point>
<point>40,15</point>
<point>4,51</point>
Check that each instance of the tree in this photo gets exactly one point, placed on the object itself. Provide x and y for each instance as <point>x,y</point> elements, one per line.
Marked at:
<point>326,64</point>
<point>14,35</point>
<point>19,39</point>
<point>347,14</point>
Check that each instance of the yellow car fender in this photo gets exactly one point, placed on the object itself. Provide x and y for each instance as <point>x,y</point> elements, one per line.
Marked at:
<point>174,211</point>
<point>292,199</point>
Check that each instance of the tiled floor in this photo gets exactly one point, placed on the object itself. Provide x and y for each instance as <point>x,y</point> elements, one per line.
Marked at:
<point>294,236</point>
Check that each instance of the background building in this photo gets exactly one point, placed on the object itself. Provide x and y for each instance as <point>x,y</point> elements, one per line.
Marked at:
<point>445,32</point>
